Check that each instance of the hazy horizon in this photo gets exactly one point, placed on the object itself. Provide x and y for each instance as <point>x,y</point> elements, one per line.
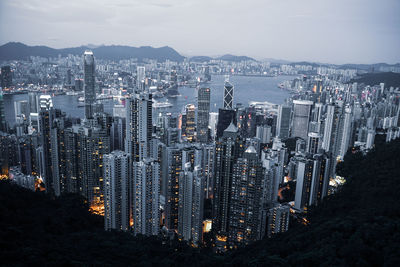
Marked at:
<point>336,32</point>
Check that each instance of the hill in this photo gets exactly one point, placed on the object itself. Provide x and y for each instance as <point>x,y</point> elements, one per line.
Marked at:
<point>36,230</point>
<point>233,58</point>
<point>389,78</point>
<point>19,51</point>
<point>358,226</point>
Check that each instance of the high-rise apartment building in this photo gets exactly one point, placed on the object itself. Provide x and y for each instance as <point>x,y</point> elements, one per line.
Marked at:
<point>139,126</point>
<point>146,197</point>
<point>117,171</point>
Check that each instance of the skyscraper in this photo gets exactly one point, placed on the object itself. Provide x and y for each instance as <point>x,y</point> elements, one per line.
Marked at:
<point>94,143</point>
<point>278,219</point>
<point>140,76</point>
<point>227,150</point>
<point>301,118</point>
<point>139,126</point>
<point>320,179</point>
<point>3,126</point>
<point>245,198</point>
<point>225,118</point>
<point>33,102</point>
<point>203,113</point>
<point>190,122</point>
<point>191,195</point>
<point>283,122</point>
<point>46,120</point>
<point>228,94</point>
<point>117,180</point>
<point>304,174</point>
<point>146,197</point>
<point>89,82</point>
<point>172,167</point>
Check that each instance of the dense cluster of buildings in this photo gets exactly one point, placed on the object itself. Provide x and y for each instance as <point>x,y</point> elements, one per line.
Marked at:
<point>155,174</point>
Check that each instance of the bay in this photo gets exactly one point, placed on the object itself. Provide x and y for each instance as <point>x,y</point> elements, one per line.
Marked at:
<point>246,89</point>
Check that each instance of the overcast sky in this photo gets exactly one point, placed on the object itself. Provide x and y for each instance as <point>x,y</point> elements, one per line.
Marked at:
<point>332,31</point>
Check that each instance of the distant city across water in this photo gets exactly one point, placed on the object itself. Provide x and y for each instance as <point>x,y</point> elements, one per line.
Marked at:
<point>246,89</point>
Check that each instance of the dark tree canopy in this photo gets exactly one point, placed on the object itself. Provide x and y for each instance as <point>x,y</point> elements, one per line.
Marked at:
<point>358,226</point>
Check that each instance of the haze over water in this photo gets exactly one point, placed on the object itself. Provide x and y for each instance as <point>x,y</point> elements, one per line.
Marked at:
<point>246,89</point>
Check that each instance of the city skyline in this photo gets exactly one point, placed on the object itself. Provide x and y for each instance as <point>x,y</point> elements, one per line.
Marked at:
<point>336,32</point>
<point>121,155</point>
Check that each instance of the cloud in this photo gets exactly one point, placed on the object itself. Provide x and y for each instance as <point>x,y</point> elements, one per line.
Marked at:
<point>329,31</point>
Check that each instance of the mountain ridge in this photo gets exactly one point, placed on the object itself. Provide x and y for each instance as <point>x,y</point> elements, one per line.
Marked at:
<point>20,51</point>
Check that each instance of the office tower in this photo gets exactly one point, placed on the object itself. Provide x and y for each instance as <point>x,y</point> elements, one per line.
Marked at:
<point>301,118</point>
<point>79,85</point>
<point>119,111</point>
<point>171,169</point>
<point>45,102</point>
<point>146,197</point>
<point>203,113</point>
<point>228,94</point>
<point>139,126</point>
<point>303,173</point>
<point>225,118</point>
<point>140,76</point>
<point>6,77</point>
<point>3,125</point>
<point>191,197</point>
<point>94,143</point>
<point>213,123</point>
<point>227,150</point>
<point>320,179</point>
<point>278,219</point>
<point>117,180</point>
<point>263,132</point>
<point>189,127</point>
<point>313,142</point>
<point>245,198</point>
<point>21,109</point>
<point>89,82</point>
<point>283,122</point>
<point>246,121</point>
<point>33,99</point>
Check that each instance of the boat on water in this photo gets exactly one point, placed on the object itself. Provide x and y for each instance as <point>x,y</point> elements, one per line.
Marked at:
<point>165,104</point>
<point>71,93</point>
<point>81,99</point>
